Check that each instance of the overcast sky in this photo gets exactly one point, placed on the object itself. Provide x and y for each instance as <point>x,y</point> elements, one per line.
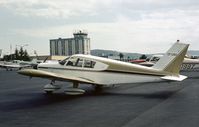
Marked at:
<point>144,26</point>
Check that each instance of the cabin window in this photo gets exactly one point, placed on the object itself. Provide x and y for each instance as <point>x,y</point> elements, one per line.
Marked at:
<point>89,64</point>
<point>64,61</point>
<point>79,62</point>
<point>71,62</point>
<point>76,62</point>
<point>155,59</point>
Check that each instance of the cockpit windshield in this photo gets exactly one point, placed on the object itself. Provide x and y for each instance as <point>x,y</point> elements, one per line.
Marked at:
<point>80,62</point>
<point>64,61</point>
<point>71,61</point>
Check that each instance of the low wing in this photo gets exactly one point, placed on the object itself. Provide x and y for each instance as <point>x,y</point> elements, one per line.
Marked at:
<point>53,76</point>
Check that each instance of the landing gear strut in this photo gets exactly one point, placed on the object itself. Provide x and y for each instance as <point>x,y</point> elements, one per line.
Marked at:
<point>75,84</point>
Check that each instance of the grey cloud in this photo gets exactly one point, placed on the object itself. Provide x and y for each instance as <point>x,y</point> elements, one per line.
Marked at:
<point>172,18</point>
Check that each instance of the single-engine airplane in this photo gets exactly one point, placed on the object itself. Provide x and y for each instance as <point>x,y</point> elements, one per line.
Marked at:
<point>99,71</point>
<point>20,64</point>
<point>13,65</point>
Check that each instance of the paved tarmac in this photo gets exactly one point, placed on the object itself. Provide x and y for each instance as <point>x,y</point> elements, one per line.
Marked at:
<point>24,104</point>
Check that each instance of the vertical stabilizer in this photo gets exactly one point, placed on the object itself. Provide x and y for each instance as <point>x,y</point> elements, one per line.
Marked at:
<point>173,59</point>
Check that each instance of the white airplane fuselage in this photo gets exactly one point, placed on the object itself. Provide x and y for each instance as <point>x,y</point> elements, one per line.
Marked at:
<point>99,71</point>
<point>99,76</point>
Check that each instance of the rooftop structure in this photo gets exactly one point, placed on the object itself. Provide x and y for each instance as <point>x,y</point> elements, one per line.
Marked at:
<point>79,44</point>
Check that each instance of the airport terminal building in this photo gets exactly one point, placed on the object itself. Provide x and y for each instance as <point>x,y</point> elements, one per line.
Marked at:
<point>80,44</point>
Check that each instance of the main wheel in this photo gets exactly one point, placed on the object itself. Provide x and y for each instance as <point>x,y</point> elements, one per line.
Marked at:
<point>98,89</point>
<point>49,92</point>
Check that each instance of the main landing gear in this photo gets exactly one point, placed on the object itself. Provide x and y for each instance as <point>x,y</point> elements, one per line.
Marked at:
<point>50,88</point>
<point>75,90</point>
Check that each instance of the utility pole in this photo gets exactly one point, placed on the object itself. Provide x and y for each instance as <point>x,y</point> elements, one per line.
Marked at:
<point>10,51</point>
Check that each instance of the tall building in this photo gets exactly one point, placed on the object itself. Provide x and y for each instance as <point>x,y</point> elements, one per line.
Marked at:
<point>80,44</point>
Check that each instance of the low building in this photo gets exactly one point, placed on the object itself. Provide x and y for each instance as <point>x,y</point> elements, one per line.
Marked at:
<point>80,44</point>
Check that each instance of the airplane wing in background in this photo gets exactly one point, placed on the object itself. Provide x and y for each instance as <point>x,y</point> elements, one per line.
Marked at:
<point>14,66</point>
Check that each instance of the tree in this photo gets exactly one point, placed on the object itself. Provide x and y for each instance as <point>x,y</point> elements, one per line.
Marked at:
<point>6,58</point>
<point>128,58</point>
<point>143,56</point>
<point>121,56</point>
<point>26,56</point>
<point>16,54</point>
<point>21,53</point>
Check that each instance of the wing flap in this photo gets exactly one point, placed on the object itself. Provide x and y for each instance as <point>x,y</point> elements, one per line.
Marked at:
<point>53,76</point>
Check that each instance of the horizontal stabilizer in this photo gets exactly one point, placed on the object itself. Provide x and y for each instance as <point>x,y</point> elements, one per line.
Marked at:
<point>174,78</point>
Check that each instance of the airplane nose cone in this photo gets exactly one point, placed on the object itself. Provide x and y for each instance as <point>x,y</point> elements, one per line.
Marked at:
<point>24,72</point>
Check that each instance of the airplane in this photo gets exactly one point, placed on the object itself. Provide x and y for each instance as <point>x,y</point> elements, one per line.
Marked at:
<point>19,64</point>
<point>100,72</point>
<point>187,65</point>
<point>15,64</point>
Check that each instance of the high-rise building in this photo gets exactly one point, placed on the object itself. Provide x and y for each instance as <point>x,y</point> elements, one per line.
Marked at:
<point>80,44</point>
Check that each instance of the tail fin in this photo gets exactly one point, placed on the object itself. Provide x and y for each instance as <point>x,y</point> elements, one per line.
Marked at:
<point>173,59</point>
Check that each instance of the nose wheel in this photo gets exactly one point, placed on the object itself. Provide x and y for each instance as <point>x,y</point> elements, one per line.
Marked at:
<point>49,92</point>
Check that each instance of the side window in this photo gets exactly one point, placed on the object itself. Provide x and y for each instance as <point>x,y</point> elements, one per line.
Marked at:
<point>79,62</point>
<point>155,59</point>
<point>76,62</point>
<point>89,64</point>
<point>71,62</point>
